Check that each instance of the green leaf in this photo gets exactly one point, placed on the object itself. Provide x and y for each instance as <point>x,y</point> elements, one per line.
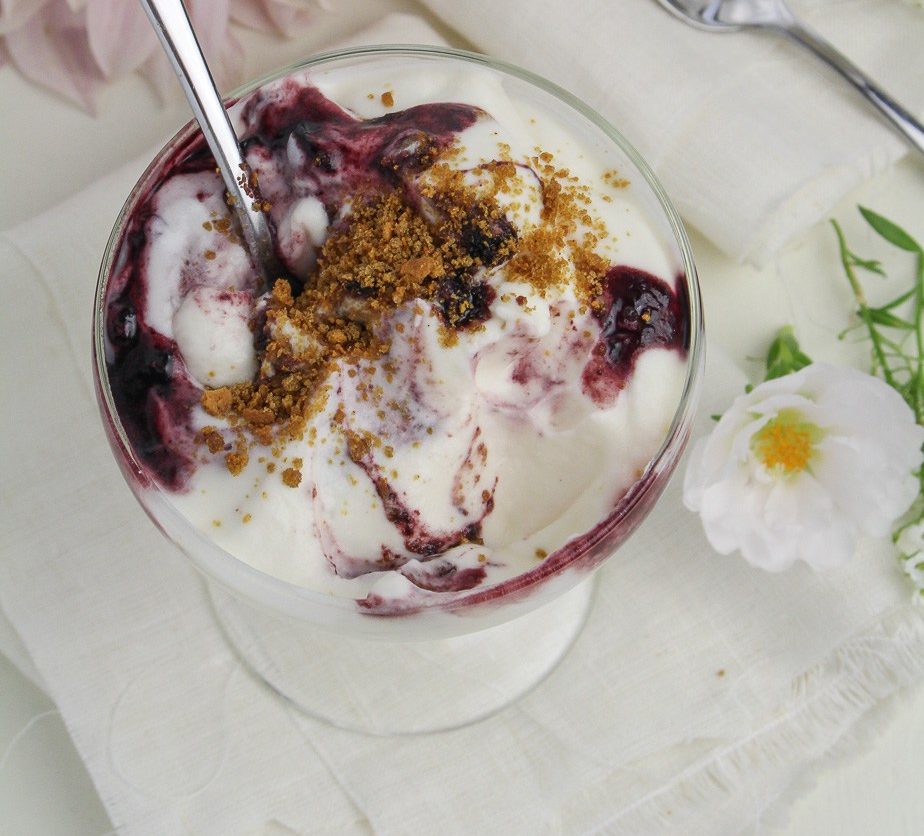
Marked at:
<point>783,345</point>
<point>882,317</point>
<point>866,263</point>
<point>784,355</point>
<point>898,300</point>
<point>892,232</point>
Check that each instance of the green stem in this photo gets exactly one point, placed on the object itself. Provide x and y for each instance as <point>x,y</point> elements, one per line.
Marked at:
<point>917,388</point>
<point>863,310</point>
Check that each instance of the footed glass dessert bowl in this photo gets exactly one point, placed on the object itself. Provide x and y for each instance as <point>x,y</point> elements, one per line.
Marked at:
<point>470,381</point>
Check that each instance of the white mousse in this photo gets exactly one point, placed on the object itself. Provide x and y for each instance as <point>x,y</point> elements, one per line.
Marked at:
<point>554,461</point>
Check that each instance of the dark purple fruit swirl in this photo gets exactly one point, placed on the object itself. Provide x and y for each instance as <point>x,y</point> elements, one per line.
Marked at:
<point>639,311</point>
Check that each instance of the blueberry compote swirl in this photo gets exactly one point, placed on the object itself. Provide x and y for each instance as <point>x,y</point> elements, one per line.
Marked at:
<point>499,417</point>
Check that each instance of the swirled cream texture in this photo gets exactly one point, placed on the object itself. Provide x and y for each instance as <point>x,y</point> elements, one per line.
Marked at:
<point>494,414</point>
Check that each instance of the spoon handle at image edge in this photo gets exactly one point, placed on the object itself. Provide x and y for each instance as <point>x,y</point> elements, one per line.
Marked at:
<point>176,35</point>
<point>900,118</point>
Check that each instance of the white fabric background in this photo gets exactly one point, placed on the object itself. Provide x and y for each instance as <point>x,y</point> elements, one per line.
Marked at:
<point>179,739</point>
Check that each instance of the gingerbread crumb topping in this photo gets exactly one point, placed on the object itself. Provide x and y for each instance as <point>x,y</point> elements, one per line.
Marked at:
<point>212,438</point>
<point>291,477</point>
<point>236,461</point>
<point>217,402</point>
<point>439,244</point>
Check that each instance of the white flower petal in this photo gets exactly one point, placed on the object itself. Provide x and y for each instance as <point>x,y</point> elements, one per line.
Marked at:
<point>52,52</point>
<point>15,13</point>
<point>287,17</point>
<point>796,502</point>
<point>231,62</point>
<point>719,514</point>
<point>271,16</point>
<point>159,73</point>
<point>741,443</point>
<point>221,48</point>
<point>120,36</point>
<point>252,14</point>
<point>210,18</point>
<point>864,486</point>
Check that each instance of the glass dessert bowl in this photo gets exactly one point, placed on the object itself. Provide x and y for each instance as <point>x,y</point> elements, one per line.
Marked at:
<point>470,384</point>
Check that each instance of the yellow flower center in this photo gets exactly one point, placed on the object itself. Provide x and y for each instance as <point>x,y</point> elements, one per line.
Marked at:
<point>786,443</point>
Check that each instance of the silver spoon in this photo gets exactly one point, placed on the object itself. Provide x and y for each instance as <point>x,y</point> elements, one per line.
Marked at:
<point>173,28</point>
<point>775,16</point>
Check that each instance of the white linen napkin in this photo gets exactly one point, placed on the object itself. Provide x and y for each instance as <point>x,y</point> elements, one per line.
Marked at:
<point>754,139</point>
<point>697,693</point>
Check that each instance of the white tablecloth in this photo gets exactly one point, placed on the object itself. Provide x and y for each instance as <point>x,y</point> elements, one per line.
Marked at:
<point>721,749</point>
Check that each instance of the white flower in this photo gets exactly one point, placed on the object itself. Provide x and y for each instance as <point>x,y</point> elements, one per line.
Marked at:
<point>803,465</point>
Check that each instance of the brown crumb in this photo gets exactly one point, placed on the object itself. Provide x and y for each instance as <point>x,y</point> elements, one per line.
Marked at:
<point>236,461</point>
<point>388,98</point>
<point>542,554</point>
<point>258,417</point>
<point>291,477</point>
<point>613,178</point>
<point>418,269</point>
<point>217,402</point>
<point>212,439</point>
<point>282,292</point>
<point>358,446</point>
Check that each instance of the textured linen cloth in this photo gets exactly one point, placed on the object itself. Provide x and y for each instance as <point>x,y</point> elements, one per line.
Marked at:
<point>698,692</point>
<point>753,137</point>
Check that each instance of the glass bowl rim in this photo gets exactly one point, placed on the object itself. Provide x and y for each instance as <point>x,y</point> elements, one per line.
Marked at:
<point>222,565</point>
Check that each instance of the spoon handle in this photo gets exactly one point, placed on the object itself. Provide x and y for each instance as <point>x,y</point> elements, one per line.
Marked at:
<point>900,118</point>
<point>173,28</point>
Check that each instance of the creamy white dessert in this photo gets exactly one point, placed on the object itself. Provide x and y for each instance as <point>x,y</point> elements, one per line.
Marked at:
<point>479,345</point>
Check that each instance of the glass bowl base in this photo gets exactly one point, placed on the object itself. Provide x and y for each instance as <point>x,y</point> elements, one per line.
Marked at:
<point>400,688</point>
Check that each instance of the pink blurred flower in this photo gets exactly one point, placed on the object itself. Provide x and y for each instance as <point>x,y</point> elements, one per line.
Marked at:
<point>74,47</point>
